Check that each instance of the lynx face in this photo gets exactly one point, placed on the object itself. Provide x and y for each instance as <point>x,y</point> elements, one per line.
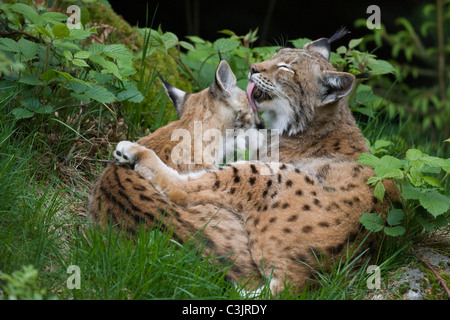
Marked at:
<point>292,86</point>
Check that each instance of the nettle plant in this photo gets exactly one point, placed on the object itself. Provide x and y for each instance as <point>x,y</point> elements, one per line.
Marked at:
<point>421,183</point>
<point>54,67</point>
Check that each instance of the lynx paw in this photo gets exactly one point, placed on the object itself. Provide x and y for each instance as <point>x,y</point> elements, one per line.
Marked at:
<point>126,153</point>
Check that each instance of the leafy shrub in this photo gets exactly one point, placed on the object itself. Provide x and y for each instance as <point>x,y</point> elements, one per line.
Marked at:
<point>420,181</point>
<point>421,91</point>
<point>22,285</point>
<point>58,61</point>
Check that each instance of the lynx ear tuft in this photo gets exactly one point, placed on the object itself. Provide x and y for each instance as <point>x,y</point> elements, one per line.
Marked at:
<point>322,45</point>
<point>176,95</point>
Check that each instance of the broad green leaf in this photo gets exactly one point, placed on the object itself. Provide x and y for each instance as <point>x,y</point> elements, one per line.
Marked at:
<point>388,173</point>
<point>382,144</point>
<point>30,79</point>
<point>80,63</point>
<point>131,93</point>
<point>299,43</point>
<point>391,162</point>
<point>196,39</point>
<point>100,94</point>
<point>369,159</point>
<point>61,31</point>
<point>379,67</point>
<point>9,45</point>
<point>432,181</point>
<point>435,203</point>
<point>187,45</point>
<point>373,180</point>
<point>67,45</point>
<point>82,54</point>
<point>395,217</point>
<point>169,39</point>
<point>44,109</point>
<point>411,193</point>
<point>225,44</point>
<point>413,154</point>
<point>31,103</point>
<point>70,78</point>
<point>28,49</point>
<point>27,11</point>
<point>354,43</point>
<point>394,231</point>
<point>21,113</point>
<point>43,31</point>
<point>379,191</point>
<point>372,222</point>
<point>68,55</point>
<point>117,51</point>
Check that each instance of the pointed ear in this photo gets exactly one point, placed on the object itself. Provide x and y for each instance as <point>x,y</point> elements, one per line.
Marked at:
<point>225,80</point>
<point>320,46</point>
<point>335,85</point>
<point>176,95</point>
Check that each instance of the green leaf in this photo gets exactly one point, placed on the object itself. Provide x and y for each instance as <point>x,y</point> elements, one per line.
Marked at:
<point>28,49</point>
<point>131,93</point>
<point>372,222</point>
<point>369,159</point>
<point>30,103</point>
<point>100,94</point>
<point>394,231</point>
<point>80,63</point>
<point>225,44</point>
<point>169,39</point>
<point>30,79</point>
<point>395,217</point>
<point>392,162</point>
<point>187,45</point>
<point>60,31</point>
<point>379,67</point>
<point>435,203</point>
<point>44,109</point>
<point>82,54</point>
<point>43,31</point>
<point>413,154</point>
<point>411,193</point>
<point>27,11</point>
<point>20,113</point>
<point>354,43</point>
<point>117,51</point>
<point>299,43</point>
<point>9,45</point>
<point>70,78</point>
<point>196,39</point>
<point>432,181</point>
<point>379,191</point>
<point>68,55</point>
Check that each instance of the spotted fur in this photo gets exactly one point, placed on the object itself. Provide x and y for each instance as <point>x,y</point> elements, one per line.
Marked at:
<point>126,199</point>
<point>310,205</point>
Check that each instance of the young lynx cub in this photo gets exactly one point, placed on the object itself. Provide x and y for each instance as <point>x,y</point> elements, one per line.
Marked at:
<point>310,204</point>
<point>126,199</point>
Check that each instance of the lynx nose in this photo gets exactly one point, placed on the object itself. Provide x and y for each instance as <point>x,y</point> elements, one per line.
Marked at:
<point>254,69</point>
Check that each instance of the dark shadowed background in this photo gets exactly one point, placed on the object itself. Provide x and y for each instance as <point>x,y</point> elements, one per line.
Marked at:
<point>277,20</point>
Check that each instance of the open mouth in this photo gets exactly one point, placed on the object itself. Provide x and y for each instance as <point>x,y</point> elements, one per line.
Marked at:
<point>256,95</point>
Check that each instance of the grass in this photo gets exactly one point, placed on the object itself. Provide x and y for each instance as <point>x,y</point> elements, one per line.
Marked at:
<point>43,224</point>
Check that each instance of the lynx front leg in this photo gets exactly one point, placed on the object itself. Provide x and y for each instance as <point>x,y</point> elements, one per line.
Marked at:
<point>166,180</point>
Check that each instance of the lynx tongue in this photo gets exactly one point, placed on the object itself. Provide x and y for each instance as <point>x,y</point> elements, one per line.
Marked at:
<point>251,85</point>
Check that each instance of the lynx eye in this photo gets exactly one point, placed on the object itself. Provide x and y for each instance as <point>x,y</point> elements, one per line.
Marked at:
<point>285,67</point>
